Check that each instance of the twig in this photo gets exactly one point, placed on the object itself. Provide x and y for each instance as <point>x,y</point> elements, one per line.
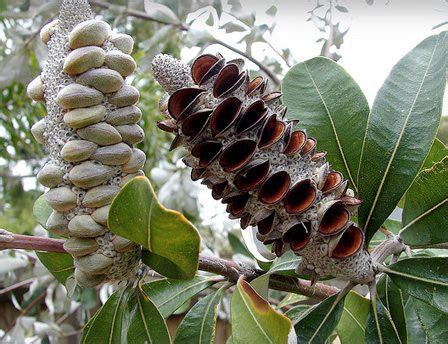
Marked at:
<point>183,27</point>
<point>27,242</point>
<point>138,14</point>
<point>37,300</point>
<point>227,268</point>
<point>266,70</point>
<point>19,285</point>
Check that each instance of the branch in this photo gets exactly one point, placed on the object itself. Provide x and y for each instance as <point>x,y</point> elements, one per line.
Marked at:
<point>137,14</point>
<point>227,268</point>
<point>260,65</point>
<point>182,27</point>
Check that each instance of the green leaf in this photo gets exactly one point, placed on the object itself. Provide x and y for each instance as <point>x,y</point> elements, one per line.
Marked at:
<point>434,322</point>
<point>173,241</point>
<point>352,325</point>
<point>146,324</point>
<point>401,127</point>
<point>437,152</point>
<point>332,107</point>
<point>416,334</point>
<point>393,299</point>
<point>42,211</point>
<point>317,324</point>
<point>425,210</point>
<point>168,294</point>
<point>161,12</point>
<point>60,265</point>
<point>237,246</point>
<point>107,324</point>
<point>254,320</point>
<point>288,262</point>
<point>380,327</point>
<point>424,278</point>
<point>199,325</point>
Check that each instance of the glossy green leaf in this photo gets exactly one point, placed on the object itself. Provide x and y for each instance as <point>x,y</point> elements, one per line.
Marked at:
<point>416,334</point>
<point>60,265</point>
<point>424,278</point>
<point>237,246</point>
<point>287,262</point>
<point>351,327</point>
<point>254,320</point>
<point>41,211</point>
<point>198,326</point>
<point>401,128</point>
<point>169,294</point>
<point>437,152</point>
<point>434,322</point>
<point>317,324</point>
<point>332,108</point>
<point>394,300</point>
<point>146,324</point>
<point>107,324</point>
<point>173,241</point>
<point>425,213</point>
<point>380,328</point>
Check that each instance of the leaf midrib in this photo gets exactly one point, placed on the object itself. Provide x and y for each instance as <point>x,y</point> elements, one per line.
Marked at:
<point>333,127</point>
<point>394,152</point>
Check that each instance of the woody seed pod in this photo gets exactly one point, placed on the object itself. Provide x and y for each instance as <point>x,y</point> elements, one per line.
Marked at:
<point>57,223</point>
<point>117,154</point>
<point>35,89</point>
<point>136,162</point>
<point>87,280</point>
<point>89,32</point>
<point>125,96</point>
<point>123,42</point>
<point>77,150</point>
<point>38,130</point>
<point>129,177</point>
<point>124,115</point>
<point>100,196</point>
<point>83,226</point>
<point>82,117</point>
<point>78,96</point>
<point>131,133</point>
<point>45,32</point>
<point>122,63</point>
<point>61,199</point>
<point>103,79</point>
<point>50,175</point>
<point>122,244</point>
<point>82,59</point>
<point>101,133</point>
<point>79,247</point>
<point>100,215</point>
<point>95,264</point>
<point>88,174</point>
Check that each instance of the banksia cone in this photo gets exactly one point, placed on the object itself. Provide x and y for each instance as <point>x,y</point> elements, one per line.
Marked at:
<point>269,174</point>
<point>89,132</point>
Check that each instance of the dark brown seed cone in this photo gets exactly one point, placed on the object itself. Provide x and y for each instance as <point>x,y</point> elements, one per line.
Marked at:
<point>269,175</point>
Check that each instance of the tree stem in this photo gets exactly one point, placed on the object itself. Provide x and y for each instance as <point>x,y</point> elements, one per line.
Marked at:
<point>227,268</point>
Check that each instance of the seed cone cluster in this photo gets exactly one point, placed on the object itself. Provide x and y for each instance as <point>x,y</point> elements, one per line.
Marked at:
<point>90,131</point>
<point>269,174</point>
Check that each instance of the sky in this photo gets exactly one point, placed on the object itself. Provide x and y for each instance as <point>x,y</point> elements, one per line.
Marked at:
<point>379,34</point>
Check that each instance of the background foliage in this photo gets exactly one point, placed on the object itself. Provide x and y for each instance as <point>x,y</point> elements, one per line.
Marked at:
<point>35,303</point>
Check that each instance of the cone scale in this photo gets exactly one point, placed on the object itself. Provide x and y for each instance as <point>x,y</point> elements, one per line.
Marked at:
<point>269,174</point>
